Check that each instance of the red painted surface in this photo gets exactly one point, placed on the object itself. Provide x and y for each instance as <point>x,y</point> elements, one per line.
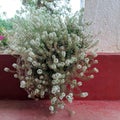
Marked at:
<point>105,85</point>
<point>84,110</point>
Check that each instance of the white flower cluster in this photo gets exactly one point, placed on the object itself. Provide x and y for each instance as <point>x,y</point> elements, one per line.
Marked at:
<point>53,56</point>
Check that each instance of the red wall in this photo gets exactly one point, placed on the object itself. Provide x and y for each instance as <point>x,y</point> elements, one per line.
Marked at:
<point>105,85</point>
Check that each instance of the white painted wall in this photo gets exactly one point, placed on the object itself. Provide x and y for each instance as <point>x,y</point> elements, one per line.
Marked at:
<point>105,18</point>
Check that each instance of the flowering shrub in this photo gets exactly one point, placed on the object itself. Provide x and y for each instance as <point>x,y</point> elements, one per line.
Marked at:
<point>2,37</point>
<point>54,53</point>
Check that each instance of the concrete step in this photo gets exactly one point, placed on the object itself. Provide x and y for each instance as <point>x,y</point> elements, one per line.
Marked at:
<point>38,110</point>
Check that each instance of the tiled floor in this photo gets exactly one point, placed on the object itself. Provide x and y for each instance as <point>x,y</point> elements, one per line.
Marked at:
<point>38,110</point>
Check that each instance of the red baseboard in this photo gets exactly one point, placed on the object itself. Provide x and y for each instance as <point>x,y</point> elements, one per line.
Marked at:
<point>105,85</point>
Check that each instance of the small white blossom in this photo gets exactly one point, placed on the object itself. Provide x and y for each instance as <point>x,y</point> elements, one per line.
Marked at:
<point>74,81</point>
<point>53,66</point>
<point>31,54</point>
<point>79,66</point>
<point>84,68</point>
<point>29,72</point>
<point>95,61</point>
<point>51,108</point>
<point>61,106</point>
<point>56,61</point>
<point>84,94</point>
<point>81,74</point>
<point>34,63</point>
<point>91,76</point>
<point>53,100</point>
<point>14,65</point>
<point>39,86</point>
<point>29,59</point>
<point>22,84</point>
<point>6,69</point>
<point>74,59</point>
<point>67,62</point>
<point>15,76</point>
<point>96,70</point>
<point>94,54</point>
<point>55,89</point>
<point>63,53</point>
<point>62,81</point>
<point>87,60</point>
<point>79,83</point>
<point>39,71</point>
<point>36,91</point>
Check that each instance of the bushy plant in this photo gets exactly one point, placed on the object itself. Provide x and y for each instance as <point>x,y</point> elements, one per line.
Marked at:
<point>4,26</point>
<point>54,55</point>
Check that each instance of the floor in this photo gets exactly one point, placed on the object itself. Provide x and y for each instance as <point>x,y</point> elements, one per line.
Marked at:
<point>38,110</point>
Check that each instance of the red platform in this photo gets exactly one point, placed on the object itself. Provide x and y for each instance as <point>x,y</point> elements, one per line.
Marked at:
<point>84,110</point>
<point>99,105</point>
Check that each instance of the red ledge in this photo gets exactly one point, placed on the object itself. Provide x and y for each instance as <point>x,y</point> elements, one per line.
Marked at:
<point>82,110</point>
<point>105,85</point>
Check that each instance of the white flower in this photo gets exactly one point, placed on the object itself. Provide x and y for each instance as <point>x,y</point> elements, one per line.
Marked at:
<point>53,56</point>
<point>53,66</point>
<point>6,69</point>
<point>39,86</point>
<point>67,62</point>
<point>84,94</point>
<point>61,64</point>
<point>29,72</point>
<point>15,76</point>
<point>81,74</point>
<point>36,91</point>
<point>41,77</point>
<point>91,76</point>
<point>42,92</point>
<point>53,100</point>
<point>84,68</point>
<point>94,54</point>
<point>96,70</point>
<point>62,81</point>
<point>32,42</point>
<point>22,84</point>
<point>74,59</point>
<point>71,94</point>
<point>34,63</point>
<point>87,60</point>
<point>79,66</point>
<point>95,61</point>
<point>72,86</point>
<point>82,56</point>
<point>69,98</point>
<point>56,61</point>
<point>74,81</point>
<point>51,108</point>
<point>14,65</point>
<point>55,89</point>
<point>61,106</point>
<point>29,96</point>
<point>79,83</point>
<point>63,94</point>
<point>26,78</point>
<point>39,71</point>
<point>29,59</point>
<point>63,53</point>
<point>31,54</point>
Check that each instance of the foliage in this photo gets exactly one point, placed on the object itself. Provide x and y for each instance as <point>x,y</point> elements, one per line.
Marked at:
<point>4,26</point>
<point>54,54</point>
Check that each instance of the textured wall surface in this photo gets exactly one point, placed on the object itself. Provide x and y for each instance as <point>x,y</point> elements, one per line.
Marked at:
<point>105,18</point>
